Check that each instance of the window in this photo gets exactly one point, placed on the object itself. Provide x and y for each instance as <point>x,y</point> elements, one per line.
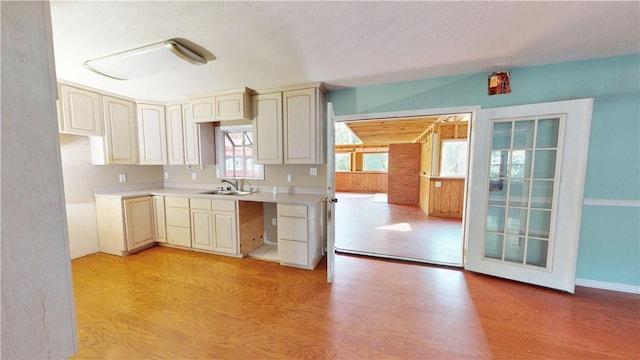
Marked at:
<point>343,161</point>
<point>344,135</point>
<point>453,158</point>
<point>235,153</point>
<point>375,162</point>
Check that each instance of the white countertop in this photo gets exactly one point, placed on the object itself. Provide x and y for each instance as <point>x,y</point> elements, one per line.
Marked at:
<point>283,198</point>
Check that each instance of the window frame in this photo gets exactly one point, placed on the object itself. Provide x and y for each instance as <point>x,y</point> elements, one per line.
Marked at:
<point>441,155</point>
<point>221,135</point>
<point>375,153</point>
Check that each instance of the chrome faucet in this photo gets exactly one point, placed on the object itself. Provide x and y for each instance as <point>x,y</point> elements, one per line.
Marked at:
<point>234,183</point>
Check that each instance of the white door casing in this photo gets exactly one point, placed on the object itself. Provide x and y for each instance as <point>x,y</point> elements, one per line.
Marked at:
<point>525,200</point>
<point>331,193</point>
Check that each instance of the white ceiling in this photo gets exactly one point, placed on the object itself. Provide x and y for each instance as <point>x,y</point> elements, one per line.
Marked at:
<point>269,44</point>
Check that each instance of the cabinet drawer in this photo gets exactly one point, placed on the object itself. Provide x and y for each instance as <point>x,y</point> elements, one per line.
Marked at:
<point>204,204</point>
<point>292,228</point>
<point>179,236</point>
<point>181,202</point>
<point>292,252</point>
<point>178,217</point>
<point>292,210</point>
<point>223,205</point>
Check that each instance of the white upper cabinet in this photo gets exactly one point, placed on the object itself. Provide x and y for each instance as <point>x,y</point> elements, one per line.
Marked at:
<point>199,142</point>
<point>300,128</point>
<point>227,106</point>
<point>191,136</point>
<point>175,135</point>
<point>290,130</point>
<point>81,111</point>
<point>204,109</point>
<point>119,145</point>
<point>152,135</point>
<point>234,106</point>
<point>267,128</point>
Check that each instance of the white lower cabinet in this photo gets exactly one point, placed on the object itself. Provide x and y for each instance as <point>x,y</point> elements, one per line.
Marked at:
<point>125,226</point>
<point>299,235</point>
<point>214,225</point>
<point>225,238</point>
<point>178,220</point>
<point>159,213</point>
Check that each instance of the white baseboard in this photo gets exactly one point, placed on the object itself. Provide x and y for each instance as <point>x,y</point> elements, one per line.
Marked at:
<point>633,289</point>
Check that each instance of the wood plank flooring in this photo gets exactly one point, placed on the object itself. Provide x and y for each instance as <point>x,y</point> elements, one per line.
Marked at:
<point>166,303</point>
<point>367,226</point>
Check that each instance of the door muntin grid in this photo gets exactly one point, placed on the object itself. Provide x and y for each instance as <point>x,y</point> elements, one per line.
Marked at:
<point>523,183</point>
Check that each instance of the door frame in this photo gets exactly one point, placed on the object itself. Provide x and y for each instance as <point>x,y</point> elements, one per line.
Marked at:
<point>472,109</point>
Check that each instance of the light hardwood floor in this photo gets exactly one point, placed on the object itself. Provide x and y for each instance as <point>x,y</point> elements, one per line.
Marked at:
<point>169,303</point>
<point>365,226</point>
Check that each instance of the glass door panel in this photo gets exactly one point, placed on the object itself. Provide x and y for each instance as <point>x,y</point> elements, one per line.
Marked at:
<point>515,198</point>
<point>537,251</point>
<point>520,199</point>
<point>541,194</point>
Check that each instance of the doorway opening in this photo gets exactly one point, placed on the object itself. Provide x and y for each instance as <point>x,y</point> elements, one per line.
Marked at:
<point>400,181</point>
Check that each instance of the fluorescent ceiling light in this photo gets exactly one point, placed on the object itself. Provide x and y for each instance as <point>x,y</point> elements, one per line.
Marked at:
<point>146,60</point>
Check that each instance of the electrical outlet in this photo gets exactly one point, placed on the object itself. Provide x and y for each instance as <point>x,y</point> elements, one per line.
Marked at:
<point>289,177</point>
<point>313,171</point>
<point>193,176</point>
<point>122,177</point>
<point>166,176</point>
<point>274,221</point>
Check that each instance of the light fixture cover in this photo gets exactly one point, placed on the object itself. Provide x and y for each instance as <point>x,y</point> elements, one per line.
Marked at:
<point>146,60</point>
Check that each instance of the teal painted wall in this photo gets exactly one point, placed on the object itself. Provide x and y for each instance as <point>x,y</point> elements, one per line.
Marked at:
<point>609,238</point>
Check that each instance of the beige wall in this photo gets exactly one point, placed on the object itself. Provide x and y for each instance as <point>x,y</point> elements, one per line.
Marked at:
<point>80,178</point>
<point>274,175</point>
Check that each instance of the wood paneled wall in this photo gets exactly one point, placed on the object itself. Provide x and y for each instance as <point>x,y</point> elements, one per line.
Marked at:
<point>424,195</point>
<point>357,181</point>
<point>452,130</point>
<point>447,199</point>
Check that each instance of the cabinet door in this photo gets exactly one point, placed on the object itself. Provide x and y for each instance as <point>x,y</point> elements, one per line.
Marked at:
<point>267,128</point>
<point>300,128</point>
<point>120,139</point>
<point>175,135</point>
<point>201,229</point>
<point>178,235</point>
<point>152,135</point>
<point>204,109</point>
<point>232,107</point>
<point>225,232</point>
<point>293,253</point>
<point>139,222</point>
<point>158,206</point>
<point>81,111</point>
<point>191,137</point>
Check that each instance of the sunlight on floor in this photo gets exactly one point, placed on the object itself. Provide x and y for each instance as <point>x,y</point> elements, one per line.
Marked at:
<point>396,227</point>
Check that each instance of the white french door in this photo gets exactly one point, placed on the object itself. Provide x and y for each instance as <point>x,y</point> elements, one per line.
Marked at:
<point>330,198</point>
<point>526,179</point>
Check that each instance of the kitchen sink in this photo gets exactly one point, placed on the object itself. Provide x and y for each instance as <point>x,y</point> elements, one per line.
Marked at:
<point>227,192</point>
